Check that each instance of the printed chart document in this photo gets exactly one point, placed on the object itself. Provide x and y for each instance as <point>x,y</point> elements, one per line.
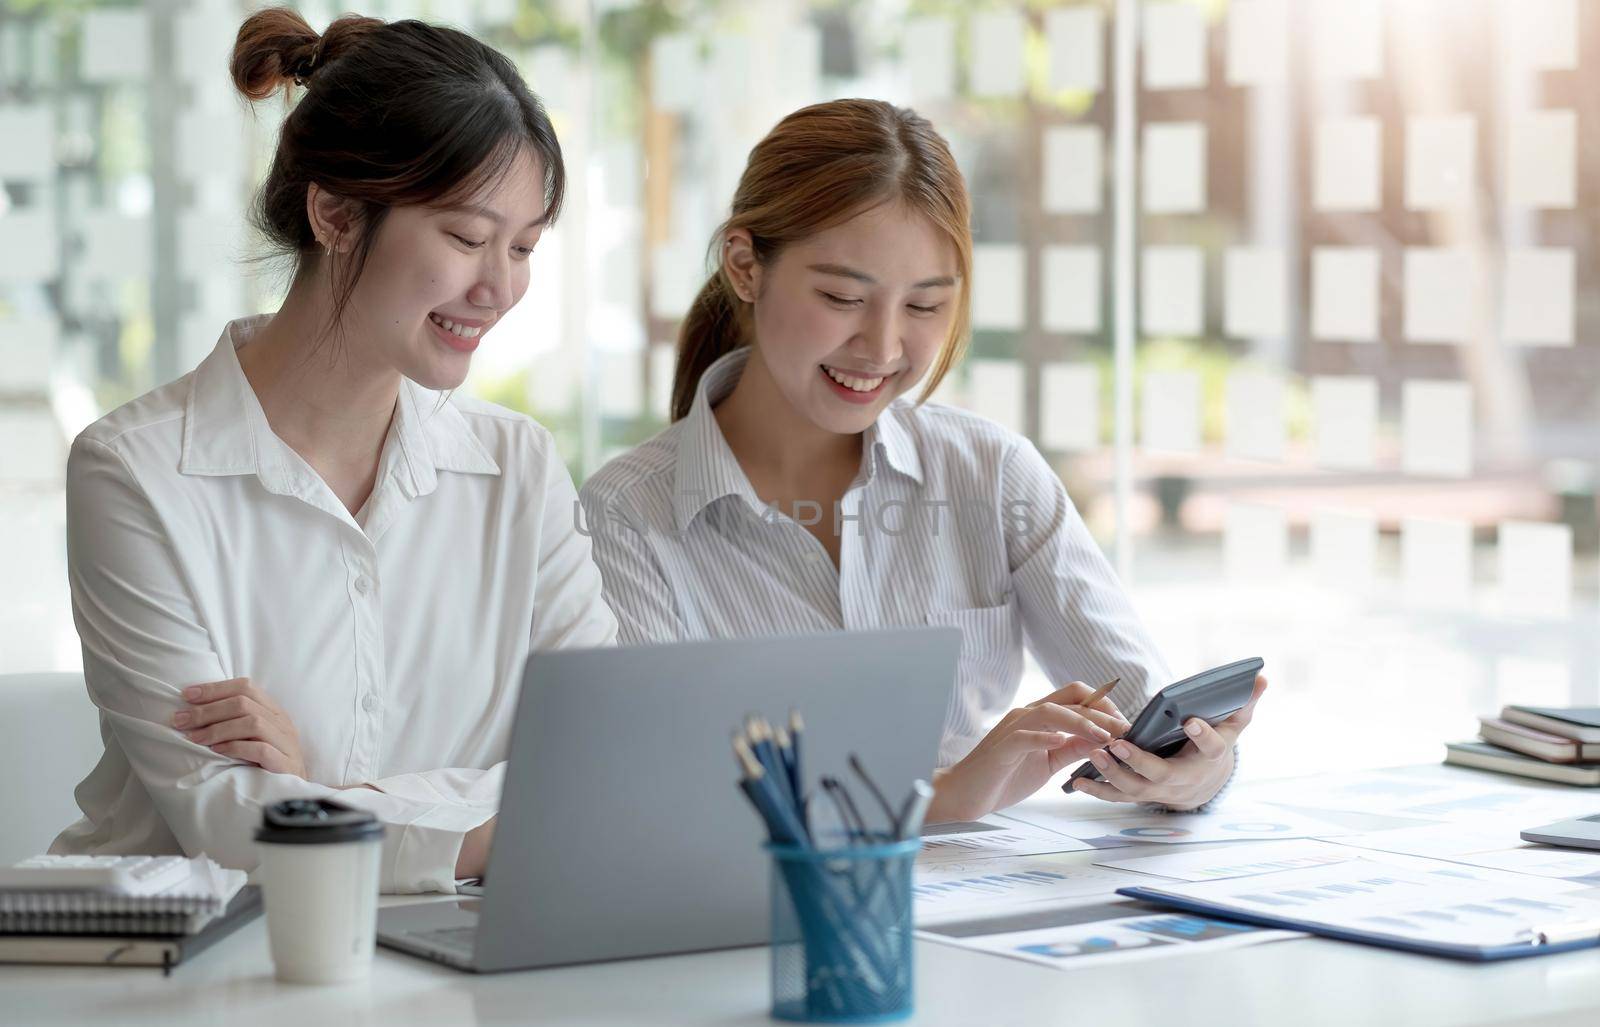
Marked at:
<point>1404,902</point>
<point>1246,859</point>
<point>1097,932</point>
<point>1375,791</point>
<point>979,887</point>
<point>990,837</point>
<point>1480,844</point>
<point>1440,841</point>
<point>1232,821</point>
<point>1453,798</point>
<point>1540,861</point>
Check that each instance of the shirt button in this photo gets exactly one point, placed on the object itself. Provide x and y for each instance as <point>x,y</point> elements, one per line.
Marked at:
<point>370,703</point>
<point>363,584</point>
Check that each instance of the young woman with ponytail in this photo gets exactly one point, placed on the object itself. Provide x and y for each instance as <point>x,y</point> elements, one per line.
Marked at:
<point>307,568</point>
<point>803,487</point>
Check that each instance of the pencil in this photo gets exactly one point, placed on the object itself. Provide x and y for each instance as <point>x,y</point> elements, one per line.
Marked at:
<point>1101,692</point>
<point>796,729</point>
<point>782,825</point>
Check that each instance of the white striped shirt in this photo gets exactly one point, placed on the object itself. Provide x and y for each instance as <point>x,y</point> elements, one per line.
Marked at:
<point>952,520</point>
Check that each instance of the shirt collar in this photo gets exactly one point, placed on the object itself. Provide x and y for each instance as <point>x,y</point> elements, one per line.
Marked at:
<point>225,431</point>
<point>889,439</point>
<point>707,470</point>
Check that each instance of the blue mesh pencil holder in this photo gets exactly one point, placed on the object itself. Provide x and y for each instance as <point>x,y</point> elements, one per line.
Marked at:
<point>841,932</point>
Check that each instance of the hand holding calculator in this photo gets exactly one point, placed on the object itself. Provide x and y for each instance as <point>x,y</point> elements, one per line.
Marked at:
<point>1213,695</point>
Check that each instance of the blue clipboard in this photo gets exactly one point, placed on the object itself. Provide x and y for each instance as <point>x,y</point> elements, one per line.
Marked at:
<point>1545,945</point>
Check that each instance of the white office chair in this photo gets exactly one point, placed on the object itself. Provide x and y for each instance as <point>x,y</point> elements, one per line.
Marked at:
<point>49,741</point>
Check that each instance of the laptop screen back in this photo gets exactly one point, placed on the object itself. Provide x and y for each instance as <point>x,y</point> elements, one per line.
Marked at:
<point>622,831</point>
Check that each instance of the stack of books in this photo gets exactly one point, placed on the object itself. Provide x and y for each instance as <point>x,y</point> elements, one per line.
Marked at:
<point>1555,743</point>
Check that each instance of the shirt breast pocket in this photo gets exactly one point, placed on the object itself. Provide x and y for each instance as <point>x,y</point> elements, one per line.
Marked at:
<point>989,668</point>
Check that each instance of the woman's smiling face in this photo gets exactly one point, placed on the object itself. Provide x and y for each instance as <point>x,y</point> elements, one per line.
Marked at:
<point>850,318</point>
<point>438,278</point>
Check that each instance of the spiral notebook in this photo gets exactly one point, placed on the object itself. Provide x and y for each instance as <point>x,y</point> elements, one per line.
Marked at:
<point>183,909</point>
<point>162,949</point>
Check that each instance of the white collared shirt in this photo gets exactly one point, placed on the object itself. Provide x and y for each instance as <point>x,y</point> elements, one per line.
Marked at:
<point>202,547</point>
<point>952,520</point>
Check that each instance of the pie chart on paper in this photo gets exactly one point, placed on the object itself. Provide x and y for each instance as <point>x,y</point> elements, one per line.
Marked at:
<point>1233,820</point>
<point>1153,833</point>
<point>1201,828</point>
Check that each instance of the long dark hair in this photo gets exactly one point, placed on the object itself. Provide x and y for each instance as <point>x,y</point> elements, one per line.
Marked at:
<point>393,114</point>
<point>819,167</point>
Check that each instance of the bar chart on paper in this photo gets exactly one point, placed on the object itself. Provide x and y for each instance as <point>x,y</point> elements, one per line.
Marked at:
<point>1539,861</point>
<point>1402,898</point>
<point>1124,939</point>
<point>1452,798</point>
<point>968,841</point>
<point>1246,859</point>
<point>1471,805</point>
<point>1370,792</point>
<point>954,889</point>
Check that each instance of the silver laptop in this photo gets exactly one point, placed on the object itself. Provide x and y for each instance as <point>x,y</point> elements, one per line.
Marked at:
<point>1580,833</point>
<point>622,829</point>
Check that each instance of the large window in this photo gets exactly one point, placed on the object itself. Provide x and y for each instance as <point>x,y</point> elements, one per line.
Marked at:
<point>1349,422</point>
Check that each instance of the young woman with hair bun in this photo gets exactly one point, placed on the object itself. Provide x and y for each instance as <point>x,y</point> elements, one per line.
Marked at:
<point>803,488</point>
<point>308,567</point>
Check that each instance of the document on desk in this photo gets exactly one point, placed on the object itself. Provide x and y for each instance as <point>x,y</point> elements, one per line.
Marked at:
<point>1449,798</point>
<point>1246,859</point>
<point>1100,931</point>
<point>1540,861</point>
<point>1374,791</point>
<point>1231,822</point>
<point>982,887</point>
<point>1402,902</point>
<point>1497,846</point>
<point>1495,803</point>
<point>1439,841</point>
<point>990,837</point>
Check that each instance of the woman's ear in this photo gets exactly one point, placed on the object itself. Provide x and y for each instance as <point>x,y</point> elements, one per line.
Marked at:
<point>332,218</point>
<point>740,265</point>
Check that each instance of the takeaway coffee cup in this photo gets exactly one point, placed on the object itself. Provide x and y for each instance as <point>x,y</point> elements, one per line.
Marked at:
<point>319,878</point>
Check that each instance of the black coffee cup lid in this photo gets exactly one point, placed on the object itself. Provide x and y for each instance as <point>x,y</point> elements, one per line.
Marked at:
<point>316,822</point>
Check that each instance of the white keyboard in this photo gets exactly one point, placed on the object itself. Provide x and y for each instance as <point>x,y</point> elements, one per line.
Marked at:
<point>125,875</point>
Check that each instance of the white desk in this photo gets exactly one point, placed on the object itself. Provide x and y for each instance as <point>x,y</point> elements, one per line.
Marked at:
<point>1298,983</point>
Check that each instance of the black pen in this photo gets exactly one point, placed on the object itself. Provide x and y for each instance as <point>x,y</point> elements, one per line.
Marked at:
<point>833,791</point>
<point>872,786</point>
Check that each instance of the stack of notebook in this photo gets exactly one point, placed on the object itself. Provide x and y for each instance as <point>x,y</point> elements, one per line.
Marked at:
<point>75,925</point>
<point>1556,743</point>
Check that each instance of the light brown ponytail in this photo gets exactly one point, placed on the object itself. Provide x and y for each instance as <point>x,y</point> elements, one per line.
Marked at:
<point>819,167</point>
<point>712,328</point>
